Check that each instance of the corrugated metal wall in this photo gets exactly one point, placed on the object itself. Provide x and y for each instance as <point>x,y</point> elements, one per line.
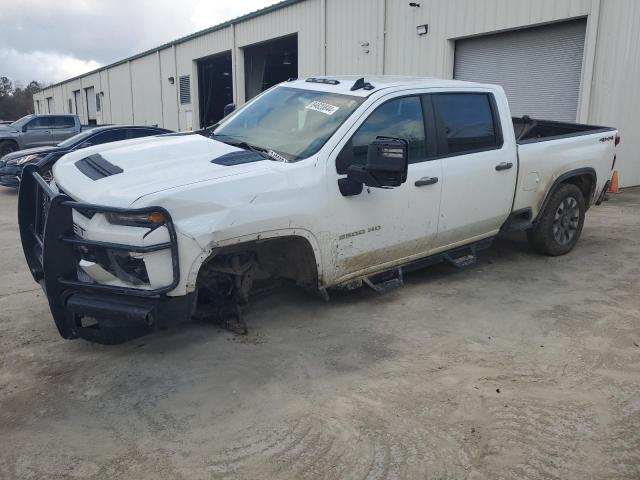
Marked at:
<point>354,36</point>
<point>120,94</point>
<point>379,36</point>
<point>615,92</point>
<point>145,87</point>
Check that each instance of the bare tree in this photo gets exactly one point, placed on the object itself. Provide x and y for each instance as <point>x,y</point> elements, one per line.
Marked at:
<point>16,100</point>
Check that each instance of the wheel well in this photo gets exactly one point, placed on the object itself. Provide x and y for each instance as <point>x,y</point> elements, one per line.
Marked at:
<point>9,141</point>
<point>585,182</point>
<point>290,257</point>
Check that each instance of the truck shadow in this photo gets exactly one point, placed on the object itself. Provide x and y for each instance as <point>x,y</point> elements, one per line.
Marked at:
<point>292,307</point>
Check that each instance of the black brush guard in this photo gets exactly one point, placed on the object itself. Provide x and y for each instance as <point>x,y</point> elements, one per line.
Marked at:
<point>96,312</point>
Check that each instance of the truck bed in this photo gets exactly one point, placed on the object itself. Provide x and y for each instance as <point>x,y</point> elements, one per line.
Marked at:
<point>529,130</point>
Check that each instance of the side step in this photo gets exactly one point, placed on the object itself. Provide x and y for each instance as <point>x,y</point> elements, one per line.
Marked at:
<point>382,283</point>
<point>463,257</point>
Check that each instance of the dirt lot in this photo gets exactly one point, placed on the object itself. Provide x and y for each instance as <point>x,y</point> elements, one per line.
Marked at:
<point>520,367</point>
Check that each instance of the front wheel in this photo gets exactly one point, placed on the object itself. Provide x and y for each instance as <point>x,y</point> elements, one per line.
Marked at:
<point>559,227</point>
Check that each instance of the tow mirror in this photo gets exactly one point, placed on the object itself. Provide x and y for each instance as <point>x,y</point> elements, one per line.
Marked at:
<point>229,108</point>
<point>386,167</point>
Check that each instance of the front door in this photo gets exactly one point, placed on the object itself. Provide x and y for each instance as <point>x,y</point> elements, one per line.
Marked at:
<point>380,228</point>
<point>37,132</point>
<point>479,168</point>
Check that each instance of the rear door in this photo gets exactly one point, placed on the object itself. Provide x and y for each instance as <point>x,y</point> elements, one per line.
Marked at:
<point>387,226</point>
<point>38,132</point>
<point>479,167</point>
<point>64,126</point>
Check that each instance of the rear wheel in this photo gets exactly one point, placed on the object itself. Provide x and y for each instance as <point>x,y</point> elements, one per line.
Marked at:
<point>560,225</point>
<point>7,147</point>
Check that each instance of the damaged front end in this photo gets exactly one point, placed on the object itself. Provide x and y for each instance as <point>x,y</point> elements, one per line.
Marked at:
<point>66,265</point>
<point>223,289</point>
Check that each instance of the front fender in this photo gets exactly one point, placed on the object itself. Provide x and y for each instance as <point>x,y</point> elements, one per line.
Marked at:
<point>206,253</point>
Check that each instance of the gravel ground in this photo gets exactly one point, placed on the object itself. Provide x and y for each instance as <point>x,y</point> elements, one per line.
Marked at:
<point>520,367</point>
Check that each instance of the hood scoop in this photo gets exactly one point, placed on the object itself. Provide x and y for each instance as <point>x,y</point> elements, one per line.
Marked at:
<point>238,158</point>
<point>96,167</point>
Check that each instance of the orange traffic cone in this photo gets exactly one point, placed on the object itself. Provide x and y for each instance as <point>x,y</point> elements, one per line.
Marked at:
<point>614,187</point>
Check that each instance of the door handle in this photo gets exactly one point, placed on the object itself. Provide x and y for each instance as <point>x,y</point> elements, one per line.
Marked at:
<point>504,166</point>
<point>426,181</point>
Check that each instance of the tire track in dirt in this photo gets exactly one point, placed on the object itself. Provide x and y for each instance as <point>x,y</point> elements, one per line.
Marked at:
<point>540,439</point>
<point>622,442</point>
<point>348,439</point>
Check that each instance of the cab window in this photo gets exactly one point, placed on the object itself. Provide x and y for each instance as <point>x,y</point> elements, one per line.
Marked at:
<point>467,121</point>
<point>398,118</point>
<point>108,137</point>
<point>63,122</point>
<point>39,123</point>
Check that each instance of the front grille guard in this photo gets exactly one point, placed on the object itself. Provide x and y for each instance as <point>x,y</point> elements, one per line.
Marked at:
<point>50,246</point>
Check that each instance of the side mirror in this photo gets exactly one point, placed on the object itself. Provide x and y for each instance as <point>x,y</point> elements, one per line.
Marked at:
<point>386,167</point>
<point>84,145</point>
<point>25,128</point>
<point>229,108</point>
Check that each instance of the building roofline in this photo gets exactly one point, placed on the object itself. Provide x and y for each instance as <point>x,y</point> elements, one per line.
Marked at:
<point>243,18</point>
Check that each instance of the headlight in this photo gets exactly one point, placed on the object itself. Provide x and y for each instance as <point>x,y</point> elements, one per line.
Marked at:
<point>146,220</point>
<point>127,266</point>
<point>25,159</point>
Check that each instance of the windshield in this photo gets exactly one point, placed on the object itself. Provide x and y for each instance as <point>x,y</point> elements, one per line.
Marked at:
<point>71,141</point>
<point>292,122</point>
<point>21,121</point>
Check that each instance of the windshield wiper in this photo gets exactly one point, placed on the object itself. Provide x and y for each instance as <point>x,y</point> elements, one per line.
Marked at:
<point>268,154</point>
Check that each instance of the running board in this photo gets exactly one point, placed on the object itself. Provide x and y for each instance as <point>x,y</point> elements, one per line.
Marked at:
<point>463,257</point>
<point>386,285</point>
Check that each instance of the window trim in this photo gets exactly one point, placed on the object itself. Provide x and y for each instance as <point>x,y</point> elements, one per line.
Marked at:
<point>442,142</point>
<point>425,128</point>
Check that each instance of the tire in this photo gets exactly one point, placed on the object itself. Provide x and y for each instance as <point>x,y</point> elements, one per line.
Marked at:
<point>7,147</point>
<point>559,227</point>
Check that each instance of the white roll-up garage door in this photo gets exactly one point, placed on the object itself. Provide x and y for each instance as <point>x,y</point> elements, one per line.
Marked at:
<point>539,67</point>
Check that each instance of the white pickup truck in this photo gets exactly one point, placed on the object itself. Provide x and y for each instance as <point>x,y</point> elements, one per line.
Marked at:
<point>326,182</point>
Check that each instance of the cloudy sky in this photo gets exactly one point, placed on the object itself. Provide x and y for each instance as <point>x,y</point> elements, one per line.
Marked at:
<point>50,40</point>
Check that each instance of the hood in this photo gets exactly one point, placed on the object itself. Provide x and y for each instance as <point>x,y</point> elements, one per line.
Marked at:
<point>145,166</point>
<point>5,129</point>
<point>29,151</point>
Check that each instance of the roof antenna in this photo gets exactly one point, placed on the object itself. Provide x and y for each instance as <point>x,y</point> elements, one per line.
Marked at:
<point>360,83</point>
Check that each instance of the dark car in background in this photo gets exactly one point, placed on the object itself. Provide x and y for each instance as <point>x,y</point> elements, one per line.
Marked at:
<point>11,165</point>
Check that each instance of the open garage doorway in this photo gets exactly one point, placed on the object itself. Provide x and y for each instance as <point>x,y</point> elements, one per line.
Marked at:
<point>269,63</point>
<point>215,87</point>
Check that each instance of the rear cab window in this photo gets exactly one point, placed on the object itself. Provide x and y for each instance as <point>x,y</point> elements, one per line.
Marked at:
<point>63,122</point>
<point>142,132</point>
<point>467,122</point>
<point>108,137</point>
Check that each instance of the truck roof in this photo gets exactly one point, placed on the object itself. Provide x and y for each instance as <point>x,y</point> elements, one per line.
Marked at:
<point>343,83</point>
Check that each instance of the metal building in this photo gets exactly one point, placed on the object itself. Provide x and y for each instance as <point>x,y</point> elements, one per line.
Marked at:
<point>573,60</point>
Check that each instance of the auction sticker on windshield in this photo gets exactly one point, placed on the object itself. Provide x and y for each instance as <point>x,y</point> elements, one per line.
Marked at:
<point>322,107</point>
